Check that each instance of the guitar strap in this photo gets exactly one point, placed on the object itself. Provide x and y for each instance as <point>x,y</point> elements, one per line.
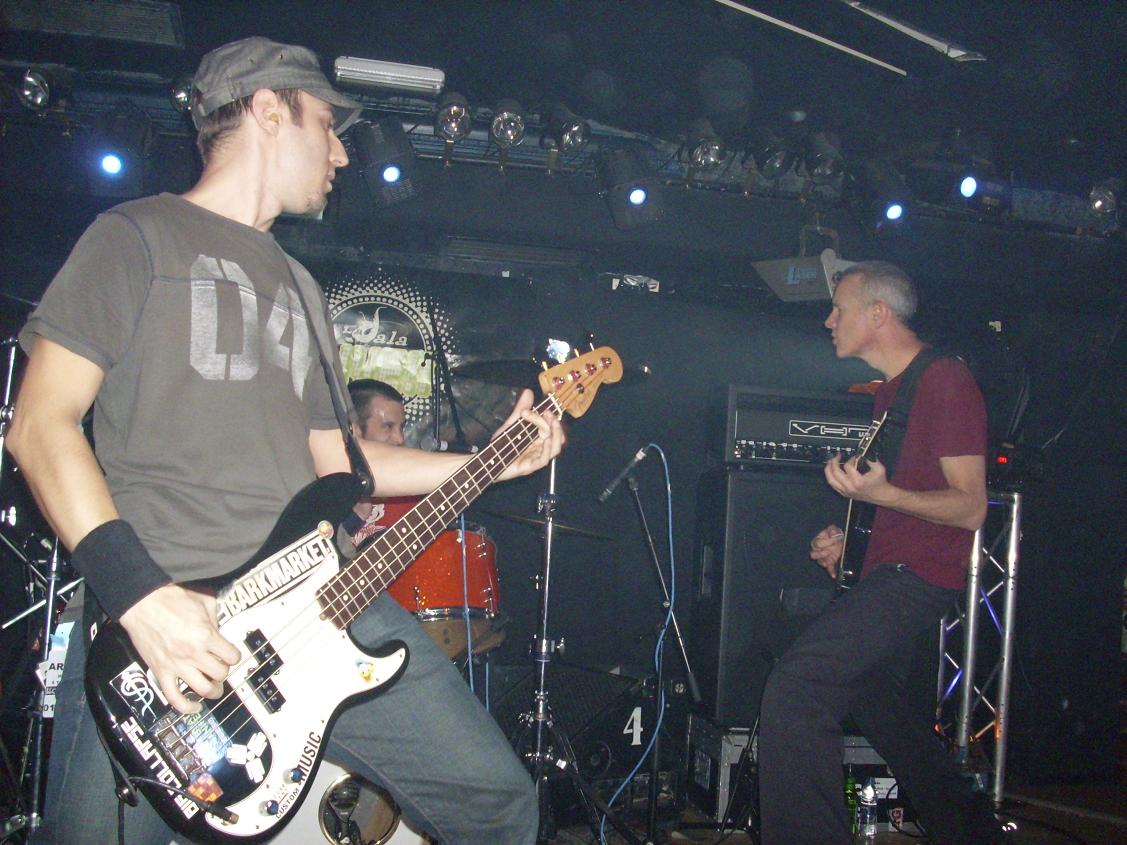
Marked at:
<point>307,292</point>
<point>891,437</point>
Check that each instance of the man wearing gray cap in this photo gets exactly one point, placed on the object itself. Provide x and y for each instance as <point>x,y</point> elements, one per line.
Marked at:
<point>181,320</point>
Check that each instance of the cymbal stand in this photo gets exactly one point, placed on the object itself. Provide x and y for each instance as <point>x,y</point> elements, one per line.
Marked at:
<point>551,749</point>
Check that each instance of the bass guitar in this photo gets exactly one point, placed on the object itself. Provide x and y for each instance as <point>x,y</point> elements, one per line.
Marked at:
<point>858,517</point>
<point>236,770</point>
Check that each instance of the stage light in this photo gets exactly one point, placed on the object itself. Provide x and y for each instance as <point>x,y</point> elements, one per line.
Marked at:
<point>42,86</point>
<point>706,150</point>
<point>506,128</point>
<point>985,193</point>
<point>386,160</point>
<point>372,73</point>
<point>452,123</point>
<point>180,94</point>
<point>119,149</point>
<point>1106,196</point>
<point>773,155</point>
<point>890,208</point>
<point>823,160</point>
<point>569,132</point>
<point>632,187</point>
<point>565,132</point>
<point>878,192</point>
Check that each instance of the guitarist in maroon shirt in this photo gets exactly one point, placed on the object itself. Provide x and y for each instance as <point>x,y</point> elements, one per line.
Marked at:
<point>850,662</point>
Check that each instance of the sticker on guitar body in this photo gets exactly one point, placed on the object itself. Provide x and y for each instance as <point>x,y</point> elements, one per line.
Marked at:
<point>160,770</point>
<point>277,574</point>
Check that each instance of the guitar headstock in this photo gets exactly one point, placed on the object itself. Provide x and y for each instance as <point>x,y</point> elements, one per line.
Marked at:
<point>575,382</point>
<point>868,438</point>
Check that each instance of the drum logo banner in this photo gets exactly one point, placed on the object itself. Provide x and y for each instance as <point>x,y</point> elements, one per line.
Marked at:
<point>385,329</point>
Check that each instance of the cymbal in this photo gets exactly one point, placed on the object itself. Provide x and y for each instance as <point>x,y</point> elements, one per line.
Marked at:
<point>556,525</point>
<point>523,372</point>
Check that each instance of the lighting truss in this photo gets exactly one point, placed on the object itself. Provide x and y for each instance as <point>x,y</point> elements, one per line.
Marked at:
<point>981,695</point>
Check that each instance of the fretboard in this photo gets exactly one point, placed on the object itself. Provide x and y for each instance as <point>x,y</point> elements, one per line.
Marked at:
<point>350,591</point>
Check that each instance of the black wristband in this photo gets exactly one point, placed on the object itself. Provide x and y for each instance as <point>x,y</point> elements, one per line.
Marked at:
<point>117,567</point>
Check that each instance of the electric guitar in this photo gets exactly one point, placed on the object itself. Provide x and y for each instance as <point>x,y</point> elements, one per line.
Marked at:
<point>236,771</point>
<point>858,518</point>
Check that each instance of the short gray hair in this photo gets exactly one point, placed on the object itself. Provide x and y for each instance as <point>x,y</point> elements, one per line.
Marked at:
<point>884,281</point>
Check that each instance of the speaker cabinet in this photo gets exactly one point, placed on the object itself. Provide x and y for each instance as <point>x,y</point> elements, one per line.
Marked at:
<point>755,587</point>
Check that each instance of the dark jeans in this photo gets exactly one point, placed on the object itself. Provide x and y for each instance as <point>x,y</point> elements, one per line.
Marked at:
<point>851,662</point>
<point>427,740</point>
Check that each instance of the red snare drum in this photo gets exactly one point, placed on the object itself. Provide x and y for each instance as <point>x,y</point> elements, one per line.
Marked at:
<point>432,589</point>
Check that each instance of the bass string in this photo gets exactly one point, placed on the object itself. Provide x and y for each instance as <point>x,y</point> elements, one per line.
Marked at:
<point>514,439</point>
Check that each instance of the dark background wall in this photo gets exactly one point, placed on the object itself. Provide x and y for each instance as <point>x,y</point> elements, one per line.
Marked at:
<point>1059,300</point>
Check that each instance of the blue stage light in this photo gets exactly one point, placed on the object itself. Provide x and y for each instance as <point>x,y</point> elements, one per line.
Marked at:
<point>112,164</point>
<point>968,186</point>
<point>386,159</point>
<point>632,188</point>
<point>894,211</point>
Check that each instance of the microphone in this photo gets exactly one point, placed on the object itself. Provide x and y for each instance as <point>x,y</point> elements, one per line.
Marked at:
<point>430,444</point>
<point>634,461</point>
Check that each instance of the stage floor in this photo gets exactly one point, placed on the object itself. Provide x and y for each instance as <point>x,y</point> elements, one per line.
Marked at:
<point>1044,815</point>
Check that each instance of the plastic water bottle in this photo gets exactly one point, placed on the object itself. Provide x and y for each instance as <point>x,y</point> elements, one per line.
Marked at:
<point>867,812</point>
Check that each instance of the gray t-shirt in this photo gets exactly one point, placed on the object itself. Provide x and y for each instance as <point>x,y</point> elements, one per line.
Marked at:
<point>212,377</point>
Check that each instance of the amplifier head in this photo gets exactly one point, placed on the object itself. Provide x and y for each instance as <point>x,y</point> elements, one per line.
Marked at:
<point>791,426</point>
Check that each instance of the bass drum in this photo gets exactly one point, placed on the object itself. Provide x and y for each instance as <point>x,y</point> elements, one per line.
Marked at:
<point>342,808</point>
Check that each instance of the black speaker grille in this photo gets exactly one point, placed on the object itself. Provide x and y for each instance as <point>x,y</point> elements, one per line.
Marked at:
<point>755,585</point>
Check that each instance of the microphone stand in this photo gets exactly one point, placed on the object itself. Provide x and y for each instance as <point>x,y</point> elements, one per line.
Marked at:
<point>440,375</point>
<point>659,686</point>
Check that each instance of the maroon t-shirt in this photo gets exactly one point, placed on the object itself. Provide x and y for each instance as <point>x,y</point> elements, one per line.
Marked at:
<point>948,419</point>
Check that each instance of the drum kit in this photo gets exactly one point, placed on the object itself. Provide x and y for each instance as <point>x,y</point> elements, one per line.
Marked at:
<point>452,588</point>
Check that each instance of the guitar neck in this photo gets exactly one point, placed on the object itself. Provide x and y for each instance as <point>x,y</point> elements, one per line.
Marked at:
<point>360,582</point>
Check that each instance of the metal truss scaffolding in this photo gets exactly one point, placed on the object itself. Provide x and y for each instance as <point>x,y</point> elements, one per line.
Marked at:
<point>979,690</point>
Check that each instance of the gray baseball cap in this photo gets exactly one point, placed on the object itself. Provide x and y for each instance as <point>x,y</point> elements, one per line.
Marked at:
<point>238,69</point>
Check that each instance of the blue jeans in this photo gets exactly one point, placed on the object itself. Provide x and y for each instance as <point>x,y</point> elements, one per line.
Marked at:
<point>851,661</point>
<point>427,740</point>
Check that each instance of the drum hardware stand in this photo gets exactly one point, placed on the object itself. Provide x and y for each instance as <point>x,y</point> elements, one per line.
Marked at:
<point>551,748</point>
<point>8,410</point>
<point>659,685</point>
<point>33,758</point>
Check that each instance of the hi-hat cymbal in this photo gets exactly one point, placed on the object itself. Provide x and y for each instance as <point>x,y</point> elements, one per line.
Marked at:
<point>523,372</point>
<point>556,525</point>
